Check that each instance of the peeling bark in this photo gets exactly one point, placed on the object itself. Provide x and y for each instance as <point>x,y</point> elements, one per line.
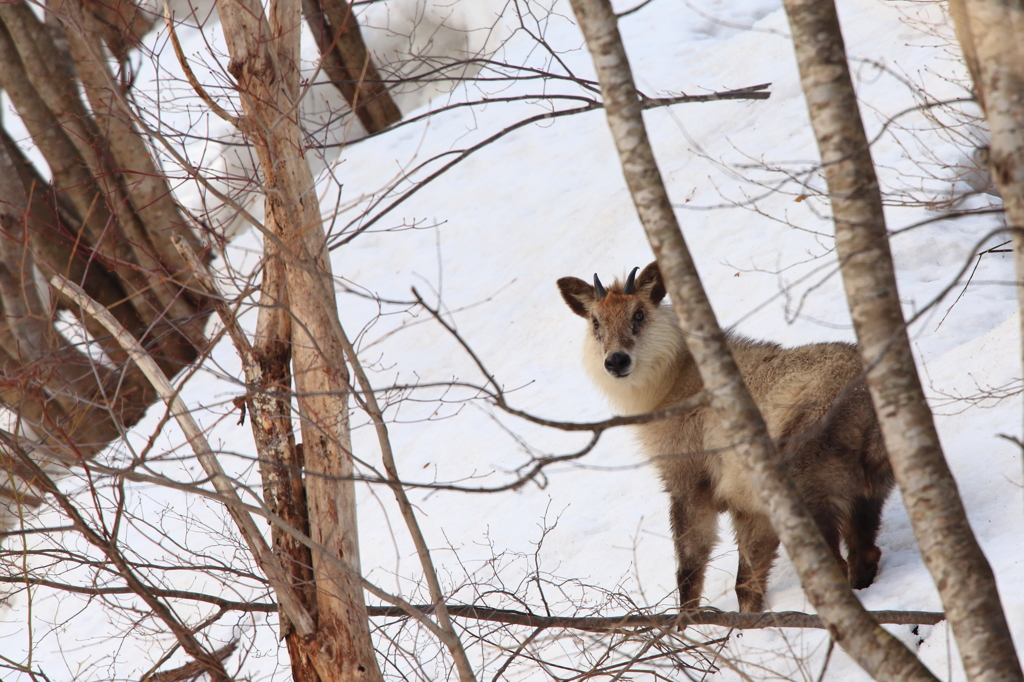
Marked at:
<point>266,365</point>
<point>264,61</point>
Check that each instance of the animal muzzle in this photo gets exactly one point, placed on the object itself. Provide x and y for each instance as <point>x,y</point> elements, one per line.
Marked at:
<point>618,364</point>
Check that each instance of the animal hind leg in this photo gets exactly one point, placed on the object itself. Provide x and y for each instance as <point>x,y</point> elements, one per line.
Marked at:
<point>829,527</point>
<point>860,534</point>
<point>758,546</point>
<point>694,532</point>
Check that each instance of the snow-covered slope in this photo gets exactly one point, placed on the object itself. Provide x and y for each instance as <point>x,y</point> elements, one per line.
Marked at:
<point>494,233</point>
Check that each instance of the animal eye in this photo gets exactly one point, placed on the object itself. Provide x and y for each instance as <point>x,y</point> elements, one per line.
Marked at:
<point>596,324</point>
<point>638,320</point>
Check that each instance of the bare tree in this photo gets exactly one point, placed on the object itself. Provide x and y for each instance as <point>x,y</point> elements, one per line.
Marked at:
<point>304,384</point>
<point>874,649</point>
<point>104,219</point>
<point>106,216</point>
<point>265,63</point>
<point>958,566</point>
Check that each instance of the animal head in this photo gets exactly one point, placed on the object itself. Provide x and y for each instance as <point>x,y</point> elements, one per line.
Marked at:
<point>632,339</point>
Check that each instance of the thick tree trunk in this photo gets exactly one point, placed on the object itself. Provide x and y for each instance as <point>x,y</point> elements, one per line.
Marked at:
<point>958,566</point>
<point>266,364</point>
<point>264,61</point>
<point>52,79</point>
<point>107,223</point>
<point>880,654</point>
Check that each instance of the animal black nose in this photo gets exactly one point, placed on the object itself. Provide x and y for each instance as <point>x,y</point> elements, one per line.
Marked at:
<point>617,363</point>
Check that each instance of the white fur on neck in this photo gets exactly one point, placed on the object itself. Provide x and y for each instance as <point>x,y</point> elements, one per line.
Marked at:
<point>655,356</point>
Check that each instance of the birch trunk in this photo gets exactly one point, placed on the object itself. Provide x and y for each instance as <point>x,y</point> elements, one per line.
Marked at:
<point>853,628</point>
<point>991,35</point>
<point>959,568</point>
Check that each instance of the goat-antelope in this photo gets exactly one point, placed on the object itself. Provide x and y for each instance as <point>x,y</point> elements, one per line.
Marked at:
<point>812,397</point>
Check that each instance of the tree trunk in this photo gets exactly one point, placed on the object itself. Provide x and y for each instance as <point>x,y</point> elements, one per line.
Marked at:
<point>853,628</point>
<point>264,61</point>
<point>281,460</point>
<point>266,365</point>
<point>107,224</point>
<point>106,220</point>
<point>991,35</point>
<point>348,63</point>
<point>957,564</point>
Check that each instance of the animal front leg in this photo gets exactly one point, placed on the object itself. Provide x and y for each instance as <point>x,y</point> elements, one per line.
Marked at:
<point>758,546</point>
<point>694,532</point>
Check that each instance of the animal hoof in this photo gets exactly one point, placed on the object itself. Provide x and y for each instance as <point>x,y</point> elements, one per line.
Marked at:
<point>863,569</point>
<point>863,576</point>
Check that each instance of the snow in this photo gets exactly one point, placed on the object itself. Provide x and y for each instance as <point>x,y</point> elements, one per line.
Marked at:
<point>495,232</point>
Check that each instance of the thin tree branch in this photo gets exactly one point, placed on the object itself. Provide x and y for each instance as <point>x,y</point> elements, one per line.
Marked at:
<point>739,621</point>
<point>223,484</point>
<point>372,408</point>
<point>219,602</point>
<point>753,92</point>
<point>217,109</point>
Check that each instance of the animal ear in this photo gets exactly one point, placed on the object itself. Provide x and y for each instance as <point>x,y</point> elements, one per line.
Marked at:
<point>578,295</point>
<point>649,283</point>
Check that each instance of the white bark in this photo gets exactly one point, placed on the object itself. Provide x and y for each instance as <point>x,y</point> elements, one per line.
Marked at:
<point>991,35</point>
<point>956,562</point>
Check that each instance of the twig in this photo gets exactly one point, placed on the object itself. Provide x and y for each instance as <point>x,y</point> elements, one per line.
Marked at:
<point>251,369</point>
<point>645,103</point>
<point>828,657</point>
<point>193,81</point>
<point>191,670</point>
<point>631,10</point>
<point>752,92</point>
<point>278,579</point>
<point>369,401</point>
<point>519,649</point>
<point>219,602</point>
<point>498,395</point>
<point>994,249</point>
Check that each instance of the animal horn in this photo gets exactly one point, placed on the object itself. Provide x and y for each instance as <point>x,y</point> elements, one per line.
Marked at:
<point>601,293</point>
<point>628,289</point>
